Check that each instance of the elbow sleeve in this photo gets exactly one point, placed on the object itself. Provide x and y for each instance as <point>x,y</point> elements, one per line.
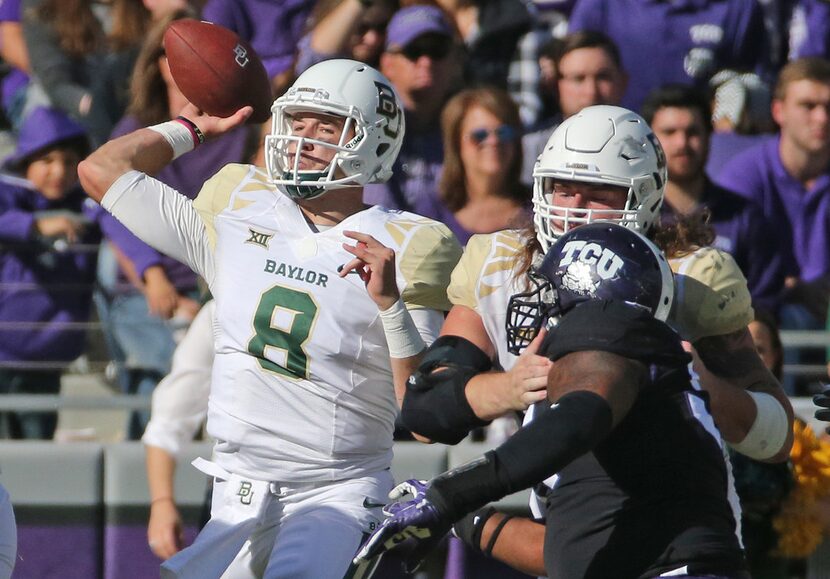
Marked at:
<point>768,433</point>
<point>435,405</point>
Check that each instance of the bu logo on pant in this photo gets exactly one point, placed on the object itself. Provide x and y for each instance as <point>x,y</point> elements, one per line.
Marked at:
<point>245,494</point>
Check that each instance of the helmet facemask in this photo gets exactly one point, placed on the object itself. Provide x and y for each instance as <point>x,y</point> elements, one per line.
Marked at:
<point>283,164</point>
<point>528,312</point>
<point>601,145</point>
<point>368,145</point>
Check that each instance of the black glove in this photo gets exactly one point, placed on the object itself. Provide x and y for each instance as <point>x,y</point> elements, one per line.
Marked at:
<point>823,401</point>
<point>469,528</point>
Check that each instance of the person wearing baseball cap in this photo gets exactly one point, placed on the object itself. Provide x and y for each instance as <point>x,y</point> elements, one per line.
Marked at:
<point>411,23</point>
<point>45,129</point>
<point>423,62</point>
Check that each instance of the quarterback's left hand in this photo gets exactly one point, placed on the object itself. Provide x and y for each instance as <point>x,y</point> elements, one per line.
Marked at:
<point>375,264</point>
<point>417,519</point>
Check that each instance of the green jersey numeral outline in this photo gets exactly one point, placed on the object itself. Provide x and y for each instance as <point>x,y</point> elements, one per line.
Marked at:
<point>303,310</point>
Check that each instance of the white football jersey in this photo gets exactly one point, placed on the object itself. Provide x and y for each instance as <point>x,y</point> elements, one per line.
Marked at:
<point>302,385</point>
<point>485,279</point>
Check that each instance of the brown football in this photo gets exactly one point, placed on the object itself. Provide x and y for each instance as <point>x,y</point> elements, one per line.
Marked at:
<point>216,70</point>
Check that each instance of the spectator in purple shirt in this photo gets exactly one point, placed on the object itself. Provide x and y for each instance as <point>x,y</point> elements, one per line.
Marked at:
<point>809,29</point>
<point>740,115</point>
<point>683,41</point>
<point>47,265</point>
<point>681,119</point>
<point>789,176</point>
<point>155,295</point>
<point>272,27</point>
<point>422,61</point>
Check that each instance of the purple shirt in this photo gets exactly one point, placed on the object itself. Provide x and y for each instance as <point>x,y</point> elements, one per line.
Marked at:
<point>742,230</point>
<point>414,183</point>
<point>434,208</point>
<point>186,175</point>
<point>272,27</point>
<point>683,41</point>
<point>809,32</point>
<point>16,79</point>
<point>801,216</point>
<point>723,146</point>
<point>40,284</point>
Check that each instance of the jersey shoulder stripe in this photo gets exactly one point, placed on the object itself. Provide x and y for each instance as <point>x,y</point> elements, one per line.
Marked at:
<point>487,260</point>
<point>219,193</point>
<point>711,295</point>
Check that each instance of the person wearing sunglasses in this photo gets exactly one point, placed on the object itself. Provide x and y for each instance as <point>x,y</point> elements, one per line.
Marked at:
<point>479,190</point>
<point>422,62</point>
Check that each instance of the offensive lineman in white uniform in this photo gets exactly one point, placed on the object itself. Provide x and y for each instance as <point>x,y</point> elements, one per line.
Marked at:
<point>603,164</point>
<point>314,340</point>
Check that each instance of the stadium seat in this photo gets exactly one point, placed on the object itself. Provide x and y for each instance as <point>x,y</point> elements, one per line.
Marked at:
<point>417,460</point>
<point>57,498</point>
<point>126,496</point>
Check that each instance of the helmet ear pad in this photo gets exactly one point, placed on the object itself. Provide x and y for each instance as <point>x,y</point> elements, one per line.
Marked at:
<point>604,145</point>
<point>373,111</point>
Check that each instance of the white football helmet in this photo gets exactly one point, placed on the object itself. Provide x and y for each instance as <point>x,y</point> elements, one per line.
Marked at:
<point>606,145</point>
<point>366,99</point>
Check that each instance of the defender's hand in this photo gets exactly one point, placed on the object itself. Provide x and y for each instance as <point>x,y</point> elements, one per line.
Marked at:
<point>416,519</point>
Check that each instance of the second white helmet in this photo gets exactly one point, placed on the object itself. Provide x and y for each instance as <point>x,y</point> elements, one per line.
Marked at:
<point>605,145</point>
<point>366,99</point>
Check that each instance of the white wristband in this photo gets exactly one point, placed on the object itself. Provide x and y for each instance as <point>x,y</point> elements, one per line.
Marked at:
<point>402,336</point>
<point>182,135</point>
<point>769,431</point>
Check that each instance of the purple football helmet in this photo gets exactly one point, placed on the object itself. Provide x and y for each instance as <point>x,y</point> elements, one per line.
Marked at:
<point>596,261</point>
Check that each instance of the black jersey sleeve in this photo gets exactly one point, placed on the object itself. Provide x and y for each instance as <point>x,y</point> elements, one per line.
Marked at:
<point>618,328</point>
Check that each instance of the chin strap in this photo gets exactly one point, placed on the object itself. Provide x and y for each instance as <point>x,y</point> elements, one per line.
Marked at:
<point>305,191</point>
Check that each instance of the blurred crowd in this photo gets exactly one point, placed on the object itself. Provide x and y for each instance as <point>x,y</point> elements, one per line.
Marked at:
<point>736,91</point>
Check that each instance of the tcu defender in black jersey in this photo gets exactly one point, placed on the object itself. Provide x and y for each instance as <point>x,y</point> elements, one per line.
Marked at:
<point>641,489</point>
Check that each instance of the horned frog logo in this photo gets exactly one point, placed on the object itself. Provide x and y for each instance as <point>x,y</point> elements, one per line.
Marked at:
<point>586,265</point>
<point>578,279</point>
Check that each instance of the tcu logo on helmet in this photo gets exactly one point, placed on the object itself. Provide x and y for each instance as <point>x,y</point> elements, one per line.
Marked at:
<point>606,263</point>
